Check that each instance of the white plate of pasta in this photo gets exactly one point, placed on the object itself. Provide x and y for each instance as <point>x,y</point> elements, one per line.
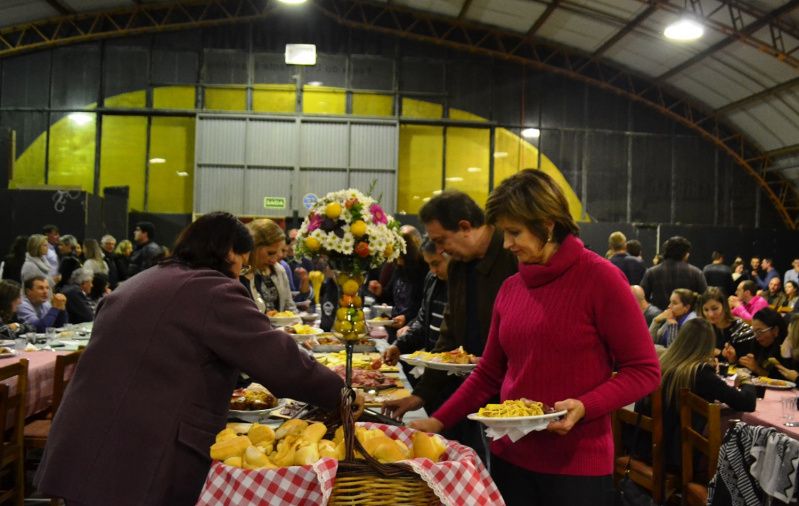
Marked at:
<point>513,413</point>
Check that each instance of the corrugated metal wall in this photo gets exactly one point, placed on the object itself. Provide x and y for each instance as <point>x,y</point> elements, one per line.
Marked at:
<point>240,160</point>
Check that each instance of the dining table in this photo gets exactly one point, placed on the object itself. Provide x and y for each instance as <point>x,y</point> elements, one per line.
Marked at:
<point>769,412</point>
<point>41,374</point>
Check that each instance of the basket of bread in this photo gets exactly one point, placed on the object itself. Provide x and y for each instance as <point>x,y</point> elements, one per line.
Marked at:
<point>304,462</point>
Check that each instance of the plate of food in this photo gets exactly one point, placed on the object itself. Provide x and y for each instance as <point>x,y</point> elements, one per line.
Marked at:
<point>456,360</point>
<point>283,318</point>
<point>309,317</point>
<point>777,384</point>
<point>253,403</point>
<point>334,344</point>
<point>516,413</point>
<point>380,321</point>
<point>6,352</point>
<point>368,379</point>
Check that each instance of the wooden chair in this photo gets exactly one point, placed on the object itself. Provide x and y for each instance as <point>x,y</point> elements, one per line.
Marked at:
<point>12,408</point>
<point>694,485</point>
<point>36,432</point>
<point>652,477</point>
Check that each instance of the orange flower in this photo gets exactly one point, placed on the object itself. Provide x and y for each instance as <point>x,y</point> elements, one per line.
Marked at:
<point>362,249</point>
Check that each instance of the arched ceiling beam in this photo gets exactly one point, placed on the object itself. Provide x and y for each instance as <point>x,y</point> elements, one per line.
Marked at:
<point>543,18</point>
<point>448,32</point>
<point>629,27</point>
<point>474,38</point>
<point>756,97</point>
<point>134,20</point>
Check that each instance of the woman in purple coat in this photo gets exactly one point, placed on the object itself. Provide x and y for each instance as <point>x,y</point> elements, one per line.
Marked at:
<point>152,388</point>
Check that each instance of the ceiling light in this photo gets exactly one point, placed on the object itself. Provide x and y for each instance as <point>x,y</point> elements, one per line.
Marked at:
<point>531,133</point>
<point>81,118</point>
<point>500,154</point>
<point>300,54</point>
<point>454,179</point>
<point>684,29</point>
<point>157,160</point>
<point>182,173</point>
<point>292,2</point>
<point>474,170</point>
<point>315,83</point>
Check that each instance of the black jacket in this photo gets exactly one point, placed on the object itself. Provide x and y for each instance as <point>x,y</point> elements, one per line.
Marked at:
<point>423,331</point>
<point>78,307</point>
<point>659,281</point>
<point>144,257</point>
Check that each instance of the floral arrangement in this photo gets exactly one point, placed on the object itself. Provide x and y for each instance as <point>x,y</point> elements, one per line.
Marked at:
<point>352,230</point>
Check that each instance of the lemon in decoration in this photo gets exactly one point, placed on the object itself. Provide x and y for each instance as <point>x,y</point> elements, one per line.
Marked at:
<point>388,251</point>
<point>350,287</point>
<point>358,315</point>
<point>356,301</point>
<point>312,243</point>
<point>360,326</point>
<point>341,313</point>
<point>341,279</point>
<point>333,210</point>
<point>358,228</point>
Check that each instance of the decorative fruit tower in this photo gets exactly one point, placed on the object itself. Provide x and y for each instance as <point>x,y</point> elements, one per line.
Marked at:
<point>353,233</point>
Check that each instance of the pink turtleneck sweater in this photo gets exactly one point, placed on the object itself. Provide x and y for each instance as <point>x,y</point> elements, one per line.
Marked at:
<point>556,331</point>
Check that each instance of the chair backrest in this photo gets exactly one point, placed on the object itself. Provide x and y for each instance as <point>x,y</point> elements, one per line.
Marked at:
<point>16,402</point>
<point>707,442</point>
<point>653,424</point>
<point>61,379</point>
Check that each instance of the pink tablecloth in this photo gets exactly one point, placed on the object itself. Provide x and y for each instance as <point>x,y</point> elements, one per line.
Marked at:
<point>769,412</point>
<point>41,369</point>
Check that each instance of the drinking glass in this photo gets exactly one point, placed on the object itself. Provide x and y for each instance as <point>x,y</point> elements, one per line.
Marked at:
<point>50,333</point>
<point>788,407</point>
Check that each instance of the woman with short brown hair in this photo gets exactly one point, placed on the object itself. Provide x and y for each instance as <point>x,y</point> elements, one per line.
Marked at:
<point>558,327</point>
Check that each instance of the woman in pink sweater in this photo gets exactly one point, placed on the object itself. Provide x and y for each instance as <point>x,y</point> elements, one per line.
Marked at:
<point>559,328</point>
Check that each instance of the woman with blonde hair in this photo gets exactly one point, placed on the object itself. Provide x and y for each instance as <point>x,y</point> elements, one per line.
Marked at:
<point>267,280</point>
<point>122,254</point>
<point>565,306</point>
<point>688,363</point>
<point>666,325</point>
<point>36,259</point>
<point>94,257</point>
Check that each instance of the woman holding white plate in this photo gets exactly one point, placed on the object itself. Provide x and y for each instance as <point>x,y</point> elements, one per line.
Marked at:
<point>560,327</point>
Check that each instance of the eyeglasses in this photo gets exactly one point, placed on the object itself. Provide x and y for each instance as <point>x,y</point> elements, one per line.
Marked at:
<point>760,331</point>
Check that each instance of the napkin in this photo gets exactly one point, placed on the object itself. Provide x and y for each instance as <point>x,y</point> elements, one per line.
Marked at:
<point>458,373</point>
<point>516,432</point>
<point>417,371</point>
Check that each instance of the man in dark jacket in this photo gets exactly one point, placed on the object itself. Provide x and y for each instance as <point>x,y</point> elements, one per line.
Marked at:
<point>718,274</point>
<point>672,273</point>
<point>79,308</point>
<point>478,267</point>
<point>631,266</point>
<point>423,331</point>
<point>147,252</point>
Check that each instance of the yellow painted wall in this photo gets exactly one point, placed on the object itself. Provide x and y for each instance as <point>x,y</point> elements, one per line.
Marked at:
<point>72,141</point>
<point>420,153</point>
<point>174,97</point>
<point>225,99</point>
<point>468,148</point>
<point>280,98</point>
<point>323,100</point>
<point>123,150</point>
<point>123,156</point>
<point>171,139</point>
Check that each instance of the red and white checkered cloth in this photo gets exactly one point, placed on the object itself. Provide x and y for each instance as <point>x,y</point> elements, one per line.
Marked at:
<point>459,478</point>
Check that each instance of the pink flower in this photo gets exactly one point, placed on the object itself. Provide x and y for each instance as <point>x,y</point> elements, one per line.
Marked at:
<point>314,222</point>
<point>378,216</point>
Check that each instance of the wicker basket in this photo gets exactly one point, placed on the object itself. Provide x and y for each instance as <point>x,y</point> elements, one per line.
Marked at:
<point>367,481</point>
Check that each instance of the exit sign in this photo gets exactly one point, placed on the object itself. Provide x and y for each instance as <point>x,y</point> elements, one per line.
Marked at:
<point>274,203</point>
